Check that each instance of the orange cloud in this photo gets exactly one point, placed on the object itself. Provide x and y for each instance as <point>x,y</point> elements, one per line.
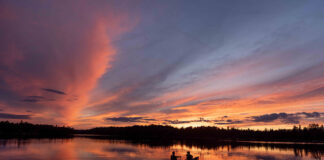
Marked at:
<point>66,52</point>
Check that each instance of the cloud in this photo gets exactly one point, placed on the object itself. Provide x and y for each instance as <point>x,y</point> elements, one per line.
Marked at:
<point>265,102</point>
<point>269,117</point>
<point>151,120</point>
<point>227,122</point>
<point>186,121</point>
<point>311,115</point>
<point>36,99</point>
<point>30,100</point>
<point>176,122</point>
<point>309,94</point>
<point>173,111</point>
<point>50,45</point>
<point>53,91</point>
<point>285,118</point>
<point>143,89</point>
<point>125,119</point>
<point>130,119</point>
<point>13,116</point>
<point>207,60</point>
<point>289,118</point>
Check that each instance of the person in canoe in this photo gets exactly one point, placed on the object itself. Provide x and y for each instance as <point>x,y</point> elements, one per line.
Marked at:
<point>173,156</point>
<point>190,157</point>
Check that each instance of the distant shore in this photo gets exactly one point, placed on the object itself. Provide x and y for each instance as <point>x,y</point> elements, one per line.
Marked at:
<point>311,134</point>
<point>28,130</point>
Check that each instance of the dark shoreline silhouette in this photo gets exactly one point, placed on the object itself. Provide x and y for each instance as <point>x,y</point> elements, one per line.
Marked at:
<point>312,133</point>
<point>28,130</point>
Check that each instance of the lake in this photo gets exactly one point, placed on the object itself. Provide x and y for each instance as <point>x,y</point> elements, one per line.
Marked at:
<point>82,148</point>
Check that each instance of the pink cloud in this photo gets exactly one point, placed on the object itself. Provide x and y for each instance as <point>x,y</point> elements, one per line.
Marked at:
<point>65,47</point>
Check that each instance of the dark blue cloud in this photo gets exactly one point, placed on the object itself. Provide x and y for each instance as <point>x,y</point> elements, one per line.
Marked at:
<point>53,91</point>
<point>125,119</point>
<point>130,119</point>
<point>269,117</point>
<point>30,100</point>
<point>311,115</point>
<point>290,118</point>
<point>14,116</point>
<point>35,99</point>
<point>227,122</point>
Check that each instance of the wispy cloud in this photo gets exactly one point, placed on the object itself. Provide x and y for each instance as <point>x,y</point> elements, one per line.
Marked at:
<point>228,122</point>
<point>14,116</point>
<point>64,52</point>
<point>130,119</point>
<point>54,91</point>
<point>289,118</point>
<point>125,119</point>
<point>284,117</point>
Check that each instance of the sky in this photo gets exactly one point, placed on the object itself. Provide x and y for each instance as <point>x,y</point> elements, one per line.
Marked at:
<point>246,64</point>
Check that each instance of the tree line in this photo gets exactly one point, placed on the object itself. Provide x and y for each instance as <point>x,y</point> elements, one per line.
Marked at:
<point>311,133</point>
<point>28,130</point>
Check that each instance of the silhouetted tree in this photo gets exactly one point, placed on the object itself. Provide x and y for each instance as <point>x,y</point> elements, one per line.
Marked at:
<point>27,130</point>
<point>313,132</point>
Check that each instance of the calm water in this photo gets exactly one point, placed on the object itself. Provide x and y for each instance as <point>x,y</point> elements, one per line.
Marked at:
<point>98,149</point>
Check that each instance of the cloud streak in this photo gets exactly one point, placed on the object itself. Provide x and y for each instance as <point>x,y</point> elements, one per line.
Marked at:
<point>43,48</point>
<point>54,91</point>
<point>125,119</point>
<point>284,117</point>
<point>13,116</point>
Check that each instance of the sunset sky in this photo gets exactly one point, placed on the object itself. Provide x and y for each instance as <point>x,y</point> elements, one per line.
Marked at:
<point>256,64</point>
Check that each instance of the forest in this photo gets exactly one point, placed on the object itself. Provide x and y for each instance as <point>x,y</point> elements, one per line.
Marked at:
<point>311,133</point>
<point>28,130</point>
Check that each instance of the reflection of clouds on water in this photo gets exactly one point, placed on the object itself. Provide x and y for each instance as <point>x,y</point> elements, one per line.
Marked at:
<point>121,150</point>
<point>257,156</point>
<point>98,149</point>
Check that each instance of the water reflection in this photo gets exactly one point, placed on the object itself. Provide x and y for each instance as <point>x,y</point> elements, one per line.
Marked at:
<point>103,149</point>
